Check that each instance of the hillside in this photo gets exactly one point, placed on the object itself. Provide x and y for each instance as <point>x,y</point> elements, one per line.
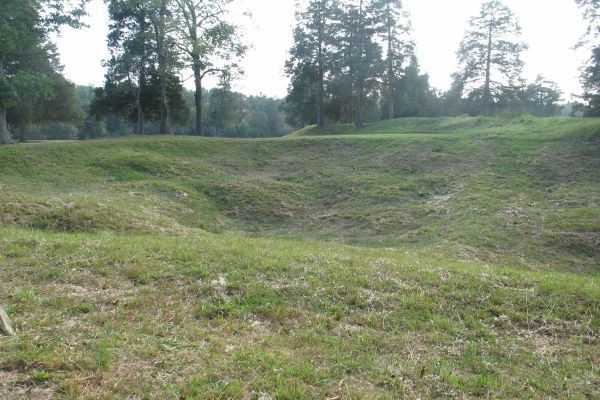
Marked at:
<point>526,125</point>
<point>416,258</point>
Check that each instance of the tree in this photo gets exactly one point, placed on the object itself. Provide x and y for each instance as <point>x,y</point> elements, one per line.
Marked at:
<point>42,98</point>
<point>590,78</point>
<point>412,95</point>
<point>591,12</point>
<point>367,60</point>
<point>120,98</point>
<point>300,101</point>
<point>222,108</point>
<point>591,84</point>
<point>128,43</point>
<point>307,62</point>
<point>162,25</point>
<point>25,49</point>
<point>337,68</point>
<point>209,43</point>
<point>541,98</point>
<point>141,83</point>
<point>356,58</point>
<point>489,55</point>
<point>393,26</point>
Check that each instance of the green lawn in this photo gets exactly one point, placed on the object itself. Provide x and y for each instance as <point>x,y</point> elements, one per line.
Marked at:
<point>415,258</point>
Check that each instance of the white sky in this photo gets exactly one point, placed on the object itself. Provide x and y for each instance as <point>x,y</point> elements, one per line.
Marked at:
<point>550,27</point>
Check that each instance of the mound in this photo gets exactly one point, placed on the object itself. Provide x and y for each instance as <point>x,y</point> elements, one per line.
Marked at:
<point>461,261</point>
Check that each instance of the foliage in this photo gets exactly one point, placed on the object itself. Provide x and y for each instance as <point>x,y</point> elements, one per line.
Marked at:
<point>591,83</point>
<point>235,115</point>
<point>142,81</point>
<point>42,98</point>
<point>591,12</point>
<point>337,69</point>
<point>300,102</point>
<point>590,77</point>
<point>228,114</point>
<point>209,44</point>
<point>222,107</point>
<point>394,28</point>
<point>8,93</point>
<point>31,87</point>
<point>541,98</point>
<point>412,95</point>
<point>489,58</point>
<point>309,60</point>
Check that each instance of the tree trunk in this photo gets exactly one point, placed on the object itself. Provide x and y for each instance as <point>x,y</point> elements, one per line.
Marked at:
<point>359,106</point>
<point>199,100</point>
<point>360,84</point>
<point>390,82</point>
<point>350,103</point>
<point>140,115</point>
<point>487,95</point>
<point>22,134</point>
<point>4,133</point>
<point>162,67</point>
<point>141,79</point>
<point>164,113</point>
<point>196,68</point>
<point>321,88</point>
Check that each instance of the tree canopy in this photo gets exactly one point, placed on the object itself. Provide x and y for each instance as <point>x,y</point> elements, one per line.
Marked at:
<point>590,77</point>
<point>490,57</point>
<point>32,88</point>
<point>351,61</point>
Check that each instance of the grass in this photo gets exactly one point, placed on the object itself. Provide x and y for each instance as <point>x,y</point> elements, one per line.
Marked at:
<point>387,263</point>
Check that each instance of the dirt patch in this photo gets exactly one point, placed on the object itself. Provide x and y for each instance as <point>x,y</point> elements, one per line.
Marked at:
<point>15,386</point>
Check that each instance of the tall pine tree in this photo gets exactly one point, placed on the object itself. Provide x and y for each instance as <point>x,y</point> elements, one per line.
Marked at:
<point>141,82</point>
<point>393,26</point>
<point>490,57</point>
<point>308,56</point>
<point>357,56</point>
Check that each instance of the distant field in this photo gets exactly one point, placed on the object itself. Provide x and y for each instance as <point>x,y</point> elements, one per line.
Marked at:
<point>412,258</point>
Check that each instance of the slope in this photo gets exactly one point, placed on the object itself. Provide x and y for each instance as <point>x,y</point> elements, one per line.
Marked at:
<point>507,197</point>
<point>368,265</point>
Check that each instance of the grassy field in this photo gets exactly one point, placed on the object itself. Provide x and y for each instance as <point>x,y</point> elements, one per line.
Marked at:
<point>415,258</point>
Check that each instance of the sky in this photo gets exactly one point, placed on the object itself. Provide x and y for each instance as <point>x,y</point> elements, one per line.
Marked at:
<point>550,27</point>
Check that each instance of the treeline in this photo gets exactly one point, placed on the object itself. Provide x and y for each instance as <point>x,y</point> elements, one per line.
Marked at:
<point>152,45</point>
<point>227,114</point>
<point>354,61</point>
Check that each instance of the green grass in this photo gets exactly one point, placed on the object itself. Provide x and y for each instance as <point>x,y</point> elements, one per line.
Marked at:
<point>464,125</point>
<point>417,258</point>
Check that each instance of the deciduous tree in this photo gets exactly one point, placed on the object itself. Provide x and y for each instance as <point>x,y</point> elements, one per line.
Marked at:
<point>541,98</point>
<point>210,44</point>
<point>25,49</point>
<point>393,26</point>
